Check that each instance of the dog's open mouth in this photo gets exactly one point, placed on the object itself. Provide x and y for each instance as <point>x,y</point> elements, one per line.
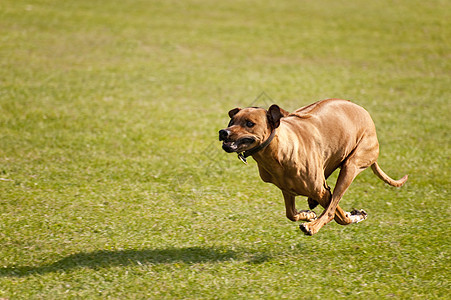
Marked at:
<point>237,146</point>
<point>229,147</point>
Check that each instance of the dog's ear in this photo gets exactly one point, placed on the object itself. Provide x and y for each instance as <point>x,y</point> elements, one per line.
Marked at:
<point>274,114</point>
<point>234,112</point>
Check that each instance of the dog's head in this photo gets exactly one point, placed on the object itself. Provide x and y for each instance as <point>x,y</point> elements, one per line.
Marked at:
<point>249,127</point>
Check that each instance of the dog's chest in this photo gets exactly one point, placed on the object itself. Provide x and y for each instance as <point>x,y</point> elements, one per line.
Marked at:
<point>289,180</point>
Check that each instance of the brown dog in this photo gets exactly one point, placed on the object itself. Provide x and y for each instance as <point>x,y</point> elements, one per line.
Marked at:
<point>297,152</point>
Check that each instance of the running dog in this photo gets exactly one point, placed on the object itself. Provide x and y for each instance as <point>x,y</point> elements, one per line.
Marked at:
<point>298,151</point>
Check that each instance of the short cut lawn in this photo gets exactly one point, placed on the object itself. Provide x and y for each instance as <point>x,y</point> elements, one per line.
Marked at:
<point>113,184</point>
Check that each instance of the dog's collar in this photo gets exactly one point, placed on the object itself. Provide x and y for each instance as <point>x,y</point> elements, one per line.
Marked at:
<point>242,156</point>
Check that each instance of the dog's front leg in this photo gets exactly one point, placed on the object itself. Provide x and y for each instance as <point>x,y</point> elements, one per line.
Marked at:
<point>292,213</point>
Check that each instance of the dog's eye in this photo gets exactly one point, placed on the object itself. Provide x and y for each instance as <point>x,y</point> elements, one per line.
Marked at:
<point>249,124</point>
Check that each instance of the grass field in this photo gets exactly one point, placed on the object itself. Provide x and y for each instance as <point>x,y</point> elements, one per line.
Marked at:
<point>113,184</point>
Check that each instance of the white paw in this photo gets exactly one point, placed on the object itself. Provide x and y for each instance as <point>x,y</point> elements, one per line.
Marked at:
<point>358,215</point>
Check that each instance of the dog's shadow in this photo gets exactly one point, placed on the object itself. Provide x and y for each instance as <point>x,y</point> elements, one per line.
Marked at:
<point>112,258</point>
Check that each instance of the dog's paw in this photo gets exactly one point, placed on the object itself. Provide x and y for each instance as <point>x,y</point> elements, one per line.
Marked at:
<point>359,212</point>
<point>304,228</point>
<point>307,215</point>
<point>358,215</point>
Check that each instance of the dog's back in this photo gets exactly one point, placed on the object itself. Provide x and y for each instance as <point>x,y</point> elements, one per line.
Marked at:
<point>332,129</point>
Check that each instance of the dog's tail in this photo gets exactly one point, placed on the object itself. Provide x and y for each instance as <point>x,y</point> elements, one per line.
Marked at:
<point>381,174</point>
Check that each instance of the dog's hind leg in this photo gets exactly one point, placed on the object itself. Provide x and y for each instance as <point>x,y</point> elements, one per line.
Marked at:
<point>347,174</point>
<point>291,212</point>
<point>341,217</point>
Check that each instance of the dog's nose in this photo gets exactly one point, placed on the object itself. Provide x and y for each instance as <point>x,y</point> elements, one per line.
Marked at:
<point>223,134</point>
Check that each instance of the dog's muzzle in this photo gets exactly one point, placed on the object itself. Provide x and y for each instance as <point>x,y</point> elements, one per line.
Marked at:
<point>223,134</point>
<point>233,146</point>
<point>227,145</point>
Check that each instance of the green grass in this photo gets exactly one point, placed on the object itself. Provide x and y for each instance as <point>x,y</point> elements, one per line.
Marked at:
<point>113,184</point>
